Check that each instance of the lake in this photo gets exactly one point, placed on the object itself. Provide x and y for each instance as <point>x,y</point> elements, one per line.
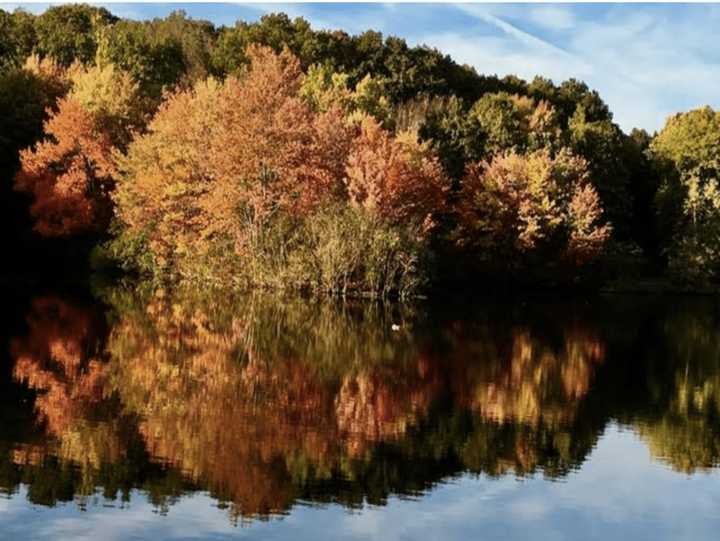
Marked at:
<point>133,413</point>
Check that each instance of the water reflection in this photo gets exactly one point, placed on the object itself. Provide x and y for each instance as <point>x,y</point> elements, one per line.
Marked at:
<point>265,402</point>
<point>684,427</point>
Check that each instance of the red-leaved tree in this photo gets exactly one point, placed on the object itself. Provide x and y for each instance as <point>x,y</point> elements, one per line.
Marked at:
<point>397,178</point>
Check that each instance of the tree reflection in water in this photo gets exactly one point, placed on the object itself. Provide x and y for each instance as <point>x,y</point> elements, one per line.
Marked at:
<point>265,402</point>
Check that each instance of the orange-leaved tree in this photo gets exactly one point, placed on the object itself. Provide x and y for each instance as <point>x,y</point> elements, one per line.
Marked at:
<point>396,178</point>
<point>272,152</point>
<point>587,235</point>
<point>520,205</point>
<point>70,173</point>
<point>220,161</point>
<point>167,170</point>
<point>113,97</point>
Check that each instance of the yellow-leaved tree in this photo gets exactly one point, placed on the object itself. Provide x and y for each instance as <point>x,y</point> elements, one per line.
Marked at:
<point>519,206</point>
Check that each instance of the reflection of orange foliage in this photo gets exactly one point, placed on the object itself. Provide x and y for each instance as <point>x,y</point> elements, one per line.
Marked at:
<point>380,405</point>
<point>249,429</point>
<point>58,358</point>
<point>257,419</point>
<point>29,455</point>
<point>241,434</point>
<point>583,351</point>
<point>255,427</point>
<point>533,383</point>
<point>237,427</point>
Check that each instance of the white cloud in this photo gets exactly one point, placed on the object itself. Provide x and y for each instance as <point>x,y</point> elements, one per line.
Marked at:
<point>479,12</point>
<point>645,64</point>
<point>552,17</point>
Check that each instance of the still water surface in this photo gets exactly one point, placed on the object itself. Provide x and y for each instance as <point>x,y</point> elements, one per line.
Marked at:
<point>140,414</point>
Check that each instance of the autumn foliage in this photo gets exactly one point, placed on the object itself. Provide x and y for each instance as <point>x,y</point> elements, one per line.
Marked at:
<point>395,177</point>
<point>60,357</point>
<point>269,178</point>
<point>69,175</point>
<point>272,153</point>
<point>255,400</point>
<point>250,181</point>
<point>222,159</point>
<point>223,164</point>
<point>72,172</point>
<point>517,206</point>
<point>258,128</point>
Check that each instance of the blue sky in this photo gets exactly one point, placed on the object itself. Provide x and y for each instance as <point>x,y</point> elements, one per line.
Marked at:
<point>646,60</point>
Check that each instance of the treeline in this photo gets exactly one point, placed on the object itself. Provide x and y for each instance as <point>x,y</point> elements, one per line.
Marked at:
<point>270,154</point>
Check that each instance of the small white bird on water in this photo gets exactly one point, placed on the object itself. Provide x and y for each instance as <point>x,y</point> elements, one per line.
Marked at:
<point>395,327</point>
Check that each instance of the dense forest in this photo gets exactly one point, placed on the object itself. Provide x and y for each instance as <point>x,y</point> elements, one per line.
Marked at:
<point>269,154</point>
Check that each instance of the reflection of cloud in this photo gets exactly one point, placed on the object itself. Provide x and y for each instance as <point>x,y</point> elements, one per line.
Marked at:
<point>618,491</point>
<point>530,509</point>
<point>197,514</point>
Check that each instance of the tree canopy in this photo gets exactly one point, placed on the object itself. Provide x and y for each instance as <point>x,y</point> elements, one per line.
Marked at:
<point>213,135</point>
